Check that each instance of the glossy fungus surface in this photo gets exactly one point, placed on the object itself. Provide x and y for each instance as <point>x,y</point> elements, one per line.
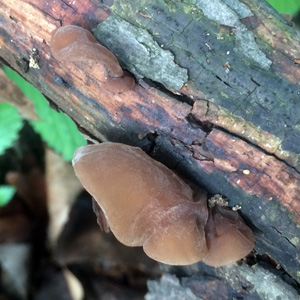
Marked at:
<point>75,44</point>
<point>228,237</point>
<point>148,205</point>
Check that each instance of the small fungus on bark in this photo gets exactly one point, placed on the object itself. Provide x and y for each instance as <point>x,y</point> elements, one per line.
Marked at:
<point>148,205</point>
<point>75,44</point>
<point>227,236</point>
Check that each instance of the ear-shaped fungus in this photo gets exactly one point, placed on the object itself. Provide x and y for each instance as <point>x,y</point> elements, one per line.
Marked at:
<point>147,205</point>
<point>75,44</point>
<point>228,237</point>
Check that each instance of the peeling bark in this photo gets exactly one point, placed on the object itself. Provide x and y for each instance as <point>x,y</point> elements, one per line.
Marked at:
<point>233,127</point>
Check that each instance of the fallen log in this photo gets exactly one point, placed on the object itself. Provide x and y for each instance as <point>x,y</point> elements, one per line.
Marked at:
<point>216,98</point>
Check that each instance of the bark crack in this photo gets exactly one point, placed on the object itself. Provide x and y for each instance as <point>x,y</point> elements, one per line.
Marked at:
<point>207,126</point>
<point>283,236</point>
<point>49,15</point>
<point>67,4</point>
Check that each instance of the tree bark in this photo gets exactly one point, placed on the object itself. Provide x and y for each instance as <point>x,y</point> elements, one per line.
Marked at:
<point>216,98</point>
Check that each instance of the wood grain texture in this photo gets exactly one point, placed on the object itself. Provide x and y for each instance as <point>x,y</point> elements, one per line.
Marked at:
<point>233,127</point>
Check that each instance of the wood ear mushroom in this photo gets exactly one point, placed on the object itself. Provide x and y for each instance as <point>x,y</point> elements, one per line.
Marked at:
<point>75,44</point>
<point>148,205</point>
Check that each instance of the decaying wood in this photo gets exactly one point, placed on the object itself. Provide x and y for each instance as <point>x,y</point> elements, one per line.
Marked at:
<point>234,125</point>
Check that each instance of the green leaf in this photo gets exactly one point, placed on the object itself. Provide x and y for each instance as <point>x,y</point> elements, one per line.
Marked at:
<point>10,124</point>
<point>6,194</point>
<point>60,133</point>
<point>57,129</point>
<point>286,7</point>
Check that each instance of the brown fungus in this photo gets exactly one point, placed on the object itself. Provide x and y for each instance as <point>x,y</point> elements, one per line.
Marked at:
<point>75,44</point>
<point>228,237</point>
<point>147,205</point>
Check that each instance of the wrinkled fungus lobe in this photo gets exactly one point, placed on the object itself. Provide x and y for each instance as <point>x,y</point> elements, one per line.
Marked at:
<point>147,205</point>
<point>75,44</point>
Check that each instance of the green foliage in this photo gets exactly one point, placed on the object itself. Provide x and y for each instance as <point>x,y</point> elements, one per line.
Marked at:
<point>6,193</point>
<point>286,6</point>
<point>57,129</point>
<point>10,124</point>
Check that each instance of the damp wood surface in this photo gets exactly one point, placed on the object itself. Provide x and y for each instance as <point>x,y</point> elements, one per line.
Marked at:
<point>224,115</point>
